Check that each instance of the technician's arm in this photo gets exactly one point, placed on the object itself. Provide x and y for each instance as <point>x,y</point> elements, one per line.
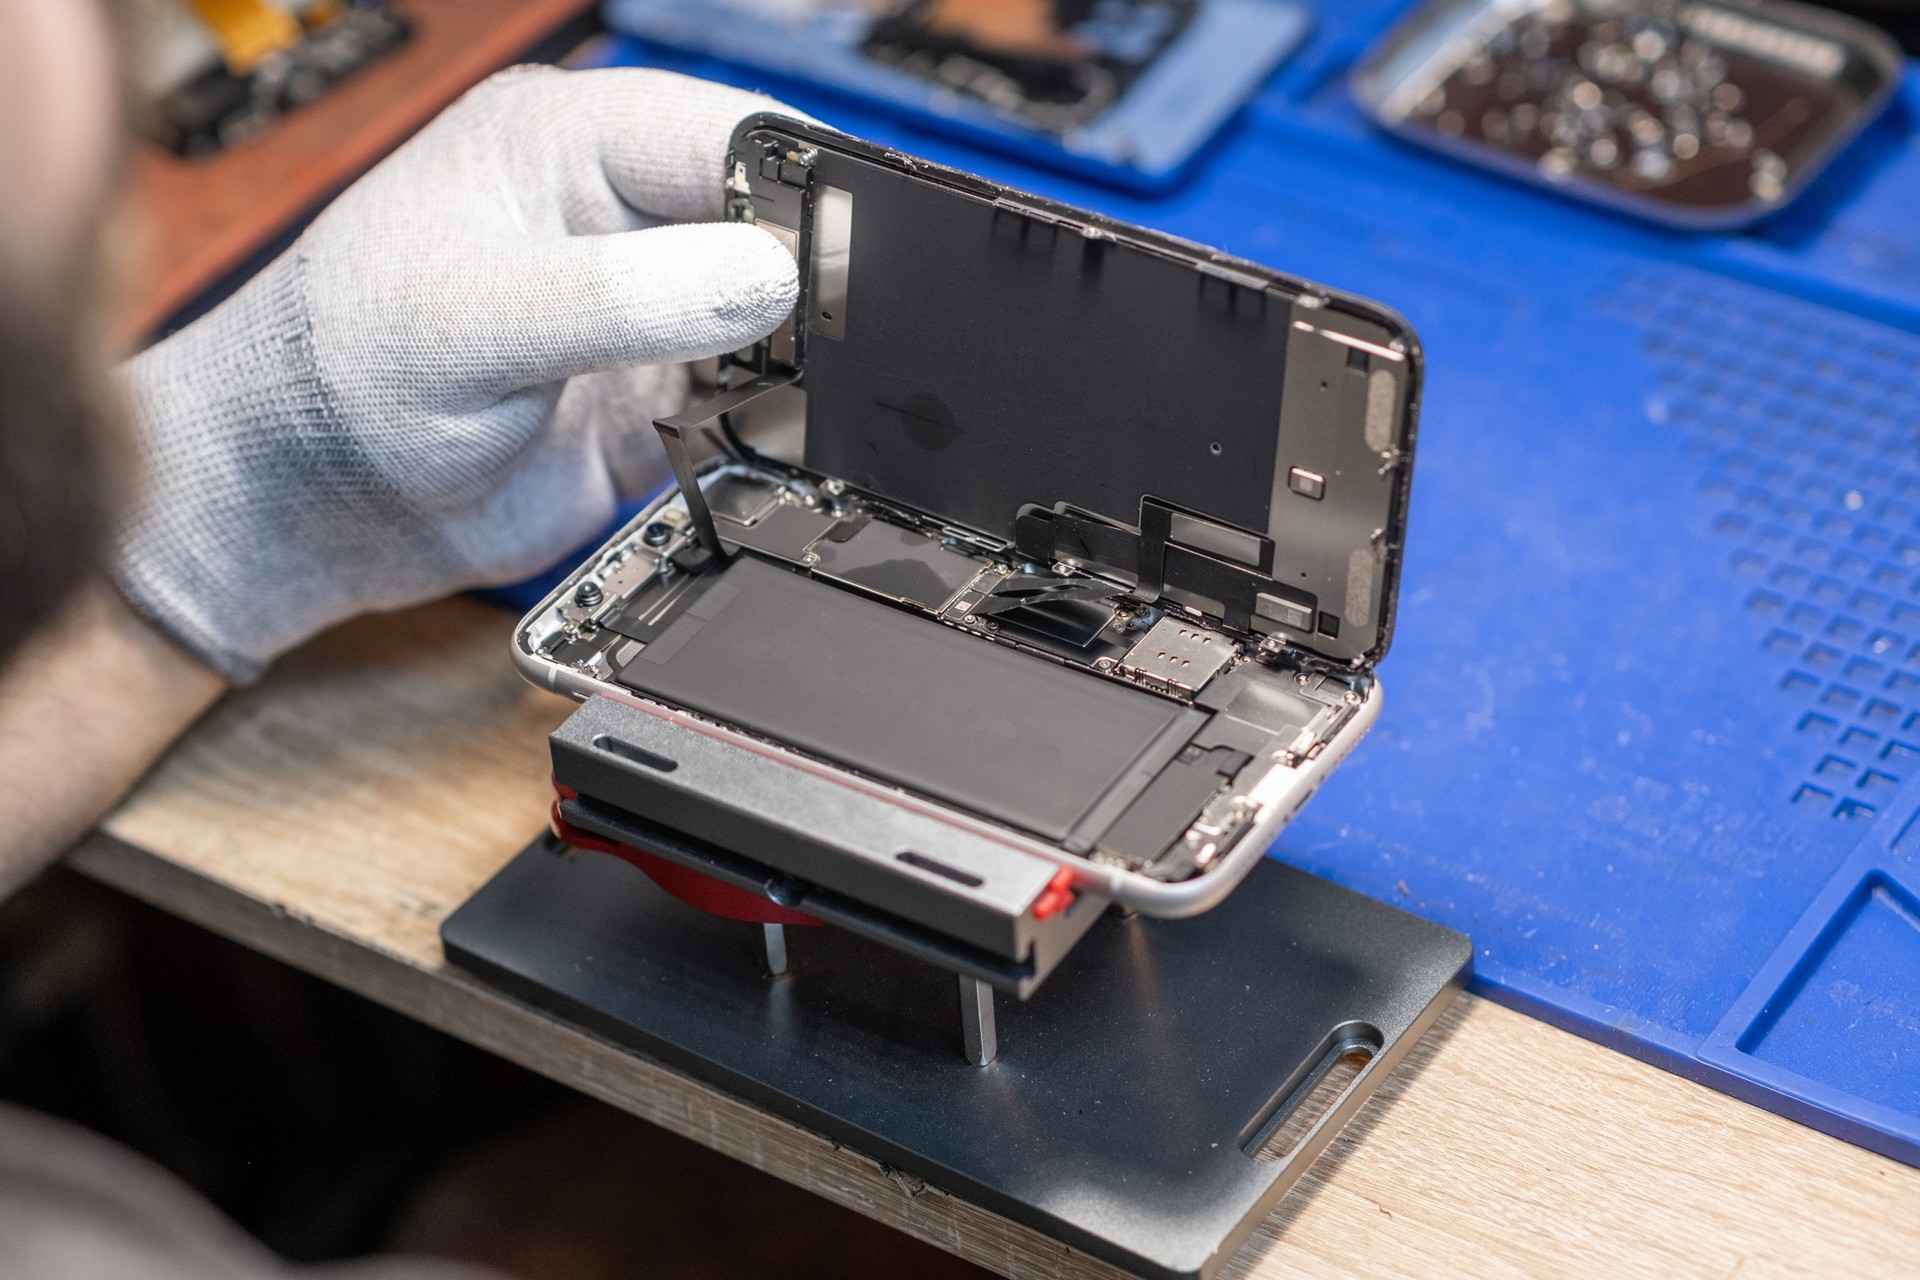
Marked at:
<point>83,711</point>
<point>446,382</point>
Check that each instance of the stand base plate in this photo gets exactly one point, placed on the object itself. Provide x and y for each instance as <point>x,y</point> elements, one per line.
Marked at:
<point>1131,1091</point>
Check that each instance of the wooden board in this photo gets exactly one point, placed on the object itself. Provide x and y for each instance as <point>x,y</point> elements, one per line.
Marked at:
<point>197,220</point>
<point>334,814</point>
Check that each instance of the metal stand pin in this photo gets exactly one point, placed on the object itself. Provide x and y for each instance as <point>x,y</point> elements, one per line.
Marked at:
<point>976,1021</point>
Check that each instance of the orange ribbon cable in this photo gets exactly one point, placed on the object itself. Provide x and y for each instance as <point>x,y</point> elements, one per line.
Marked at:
<point>247,30</point>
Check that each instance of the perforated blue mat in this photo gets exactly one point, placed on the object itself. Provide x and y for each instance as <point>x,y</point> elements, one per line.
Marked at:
<point>1653,712</point>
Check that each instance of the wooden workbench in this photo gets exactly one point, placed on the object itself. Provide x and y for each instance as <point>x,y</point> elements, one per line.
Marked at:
<point>333,815</point>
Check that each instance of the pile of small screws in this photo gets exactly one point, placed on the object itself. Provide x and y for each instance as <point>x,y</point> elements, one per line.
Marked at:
<point>1627,94</point>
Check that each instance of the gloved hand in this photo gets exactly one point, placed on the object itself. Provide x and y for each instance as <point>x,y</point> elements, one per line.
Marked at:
<point>421,394</point>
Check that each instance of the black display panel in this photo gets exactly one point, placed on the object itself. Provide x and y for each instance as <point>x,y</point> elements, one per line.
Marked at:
<point>987,359</point>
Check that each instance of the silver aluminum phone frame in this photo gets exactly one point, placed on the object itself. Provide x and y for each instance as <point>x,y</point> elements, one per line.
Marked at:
<point>1279,795</point>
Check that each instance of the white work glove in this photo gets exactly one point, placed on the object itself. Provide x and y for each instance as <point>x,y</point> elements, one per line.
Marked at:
<point>432,389</point>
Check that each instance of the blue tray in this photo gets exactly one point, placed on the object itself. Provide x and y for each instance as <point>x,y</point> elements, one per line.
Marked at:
<point>1143,142</point>
<point>1652,734</point>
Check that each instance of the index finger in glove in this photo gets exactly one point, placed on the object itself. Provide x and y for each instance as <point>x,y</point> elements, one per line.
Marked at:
<point>613,149</point>
<point>537,313</point>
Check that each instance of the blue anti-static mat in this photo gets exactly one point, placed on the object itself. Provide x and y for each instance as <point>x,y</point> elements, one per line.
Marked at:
<point>1652,733</point>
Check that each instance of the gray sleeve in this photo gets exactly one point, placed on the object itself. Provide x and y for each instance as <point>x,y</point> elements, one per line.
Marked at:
<point>75,1206</point>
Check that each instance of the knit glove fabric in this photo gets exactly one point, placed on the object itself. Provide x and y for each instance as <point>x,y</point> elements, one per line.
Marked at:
<point>449,379</point>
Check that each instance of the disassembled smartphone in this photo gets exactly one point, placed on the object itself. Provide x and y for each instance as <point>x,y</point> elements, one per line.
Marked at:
<point>1125,91</point>
<point>215,75</point>
<point>1038,561</point>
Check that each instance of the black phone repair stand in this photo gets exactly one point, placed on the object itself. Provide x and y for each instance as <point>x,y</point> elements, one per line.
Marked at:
<point>1148,1106</point>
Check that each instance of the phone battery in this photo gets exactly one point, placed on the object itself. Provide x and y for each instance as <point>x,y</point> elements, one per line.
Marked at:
<point>892,695</point>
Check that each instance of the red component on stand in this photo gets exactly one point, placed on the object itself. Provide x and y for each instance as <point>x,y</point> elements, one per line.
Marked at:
<point>692,888</point>
<point>1056,897</point>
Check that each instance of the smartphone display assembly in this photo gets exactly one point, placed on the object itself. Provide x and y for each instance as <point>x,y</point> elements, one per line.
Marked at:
<point>1694,114</point>
<point>1042,562</point>
<point>1126,90</point>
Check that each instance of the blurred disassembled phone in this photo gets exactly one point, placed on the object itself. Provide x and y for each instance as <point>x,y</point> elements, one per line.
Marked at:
<point>217,72</point>
<point>1695,114</point>
<point>1126,90</point>
<point>1040,562</point>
